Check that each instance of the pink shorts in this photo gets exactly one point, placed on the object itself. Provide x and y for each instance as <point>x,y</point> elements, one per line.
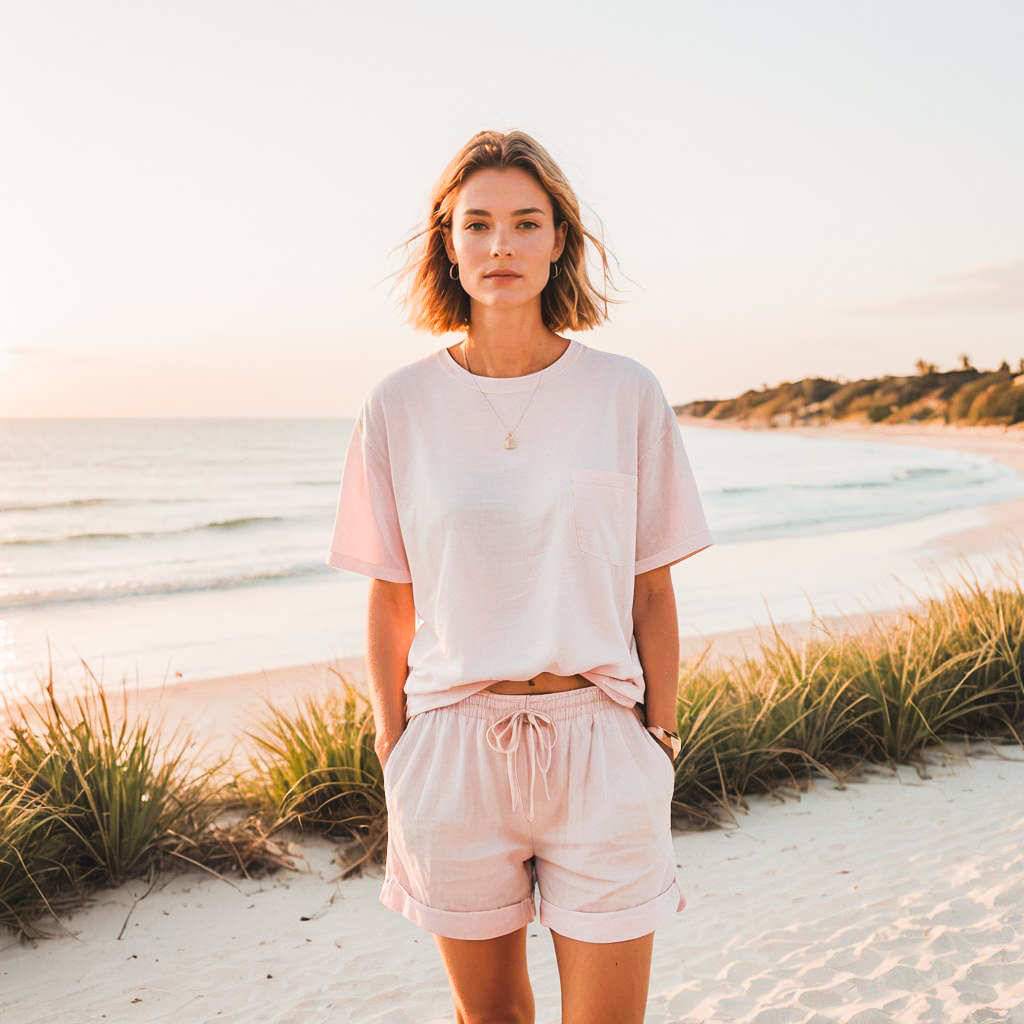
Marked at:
<point>487,796</point>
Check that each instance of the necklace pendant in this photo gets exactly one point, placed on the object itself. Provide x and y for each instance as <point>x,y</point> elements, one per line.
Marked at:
<point>510,441</point>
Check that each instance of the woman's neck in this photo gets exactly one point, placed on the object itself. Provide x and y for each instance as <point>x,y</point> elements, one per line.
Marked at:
<point>508,361</point>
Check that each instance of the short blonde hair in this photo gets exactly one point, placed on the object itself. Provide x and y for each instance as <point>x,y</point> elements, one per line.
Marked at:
<point>439,304</point>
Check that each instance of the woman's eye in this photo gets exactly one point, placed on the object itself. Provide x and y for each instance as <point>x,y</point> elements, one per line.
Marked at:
<point>478,223</point>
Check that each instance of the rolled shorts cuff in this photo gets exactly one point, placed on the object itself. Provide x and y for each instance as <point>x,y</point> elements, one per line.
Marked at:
<point>613,925</point>
<point>458,924</point>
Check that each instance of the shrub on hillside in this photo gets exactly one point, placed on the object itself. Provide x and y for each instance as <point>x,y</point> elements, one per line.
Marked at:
<point>849,393</point>
<point>961,403</point>
<point>955,380</point>
<point>817,389</point>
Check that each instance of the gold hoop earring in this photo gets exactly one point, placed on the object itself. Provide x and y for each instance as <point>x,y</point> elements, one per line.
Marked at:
<point>557,270</point>
<point>454,276</point>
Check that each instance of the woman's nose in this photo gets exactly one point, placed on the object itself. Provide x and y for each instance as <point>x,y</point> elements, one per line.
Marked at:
<point>501,244</point>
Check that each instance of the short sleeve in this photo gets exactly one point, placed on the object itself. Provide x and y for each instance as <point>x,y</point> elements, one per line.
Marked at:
<point>367,538</point>
<point>670,517</point>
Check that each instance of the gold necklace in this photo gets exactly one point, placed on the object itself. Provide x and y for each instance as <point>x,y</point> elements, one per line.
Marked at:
<point>510,441</point>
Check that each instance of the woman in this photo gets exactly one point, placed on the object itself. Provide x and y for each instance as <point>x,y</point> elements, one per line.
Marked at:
<point>525,494</point>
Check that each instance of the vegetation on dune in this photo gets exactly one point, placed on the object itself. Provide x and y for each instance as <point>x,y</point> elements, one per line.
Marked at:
<point>88,802</point>
<point>962,396</point>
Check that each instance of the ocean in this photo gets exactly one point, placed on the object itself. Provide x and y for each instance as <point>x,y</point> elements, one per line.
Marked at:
<point>166,550</point>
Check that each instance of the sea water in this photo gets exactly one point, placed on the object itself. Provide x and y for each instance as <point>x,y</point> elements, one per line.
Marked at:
<point>165,550</point>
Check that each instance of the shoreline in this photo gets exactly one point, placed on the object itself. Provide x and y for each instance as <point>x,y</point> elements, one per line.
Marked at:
<point>986,440</point>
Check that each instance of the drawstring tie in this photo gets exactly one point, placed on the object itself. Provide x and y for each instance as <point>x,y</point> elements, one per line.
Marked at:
<point>504,734</point>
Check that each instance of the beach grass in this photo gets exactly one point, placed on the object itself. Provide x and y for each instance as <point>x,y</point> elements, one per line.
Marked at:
<point>87,801</point>
<point>316,768</point>
<point>841,704</point>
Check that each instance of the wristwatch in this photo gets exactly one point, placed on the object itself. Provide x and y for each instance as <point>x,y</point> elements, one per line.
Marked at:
<point>667,738</point>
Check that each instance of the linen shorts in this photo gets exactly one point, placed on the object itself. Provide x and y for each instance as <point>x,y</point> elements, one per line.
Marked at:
<point>498,792</point>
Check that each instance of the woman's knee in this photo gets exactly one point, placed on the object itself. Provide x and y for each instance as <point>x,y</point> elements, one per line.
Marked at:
<point>489,979</point>
<point>511,1005</point>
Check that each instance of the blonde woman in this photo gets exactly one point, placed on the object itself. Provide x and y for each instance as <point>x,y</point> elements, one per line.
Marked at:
<point>517,499</point>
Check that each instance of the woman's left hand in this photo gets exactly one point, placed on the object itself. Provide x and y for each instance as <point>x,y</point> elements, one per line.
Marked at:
<point>641,718</point>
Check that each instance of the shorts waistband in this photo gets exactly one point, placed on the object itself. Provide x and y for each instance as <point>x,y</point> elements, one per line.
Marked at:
<point>561,705</point>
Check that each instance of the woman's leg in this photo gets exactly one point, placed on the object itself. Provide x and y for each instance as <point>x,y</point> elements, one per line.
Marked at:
<point>603,982</point>
<point>488,978</point>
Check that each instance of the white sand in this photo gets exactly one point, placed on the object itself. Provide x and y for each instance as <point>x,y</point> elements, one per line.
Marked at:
<point>897,899</point>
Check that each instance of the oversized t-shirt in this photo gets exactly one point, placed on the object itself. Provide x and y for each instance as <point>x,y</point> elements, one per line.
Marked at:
<point>522,560</point>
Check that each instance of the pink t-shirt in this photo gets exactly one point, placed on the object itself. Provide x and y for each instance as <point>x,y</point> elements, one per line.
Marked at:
<point>522,560</point>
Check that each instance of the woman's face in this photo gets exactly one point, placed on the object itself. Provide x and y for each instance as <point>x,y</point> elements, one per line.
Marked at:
<point>503,221</point>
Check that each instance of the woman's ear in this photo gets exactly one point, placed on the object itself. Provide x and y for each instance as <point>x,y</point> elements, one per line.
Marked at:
<point>448,248</point>
<point>562,232</point>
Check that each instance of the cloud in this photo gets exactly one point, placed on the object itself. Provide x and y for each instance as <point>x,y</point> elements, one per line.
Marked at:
<point>33,354</point>
<point>986,288</point>
<point>27,352</point>
<point>59,357</point>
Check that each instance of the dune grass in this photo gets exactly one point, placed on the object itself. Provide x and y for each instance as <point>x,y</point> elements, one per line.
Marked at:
<point>837,705</point>
<point>315,768</point>
<point>88,802</point>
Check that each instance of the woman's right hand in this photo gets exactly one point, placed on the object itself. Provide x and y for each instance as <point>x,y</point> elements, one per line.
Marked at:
<point>382,747</point>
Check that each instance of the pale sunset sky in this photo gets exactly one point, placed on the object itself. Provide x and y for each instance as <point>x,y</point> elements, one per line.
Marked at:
<point>201,203</point>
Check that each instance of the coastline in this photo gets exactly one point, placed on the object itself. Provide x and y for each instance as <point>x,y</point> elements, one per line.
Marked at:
<point>1006,444</point>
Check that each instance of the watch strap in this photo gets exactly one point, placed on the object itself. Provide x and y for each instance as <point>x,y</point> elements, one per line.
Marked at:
<point>666,737</point>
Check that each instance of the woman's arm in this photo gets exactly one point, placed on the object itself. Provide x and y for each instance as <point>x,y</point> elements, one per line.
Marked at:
<point>656,628</point>
<point>390,628</point>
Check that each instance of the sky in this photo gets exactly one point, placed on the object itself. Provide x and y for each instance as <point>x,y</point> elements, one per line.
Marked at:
<point>202,204</point>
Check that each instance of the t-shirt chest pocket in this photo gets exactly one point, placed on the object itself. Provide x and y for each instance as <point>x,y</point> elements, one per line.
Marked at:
<point>604,510</point>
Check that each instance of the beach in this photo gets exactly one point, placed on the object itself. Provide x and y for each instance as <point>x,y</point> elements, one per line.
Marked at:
<point>898,898</point>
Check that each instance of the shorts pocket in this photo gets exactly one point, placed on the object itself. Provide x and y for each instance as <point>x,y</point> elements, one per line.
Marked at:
<point>669,766</point>
<point>397,751</point>
<point>604,510</point>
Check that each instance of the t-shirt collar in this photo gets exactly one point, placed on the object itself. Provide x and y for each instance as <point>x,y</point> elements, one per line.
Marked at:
<point>497,385</point>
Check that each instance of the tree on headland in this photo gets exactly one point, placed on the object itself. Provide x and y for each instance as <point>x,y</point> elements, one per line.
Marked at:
<point>962,395</point>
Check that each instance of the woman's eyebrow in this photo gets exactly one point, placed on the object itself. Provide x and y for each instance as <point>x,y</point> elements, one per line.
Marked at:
<point>515,213</point>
